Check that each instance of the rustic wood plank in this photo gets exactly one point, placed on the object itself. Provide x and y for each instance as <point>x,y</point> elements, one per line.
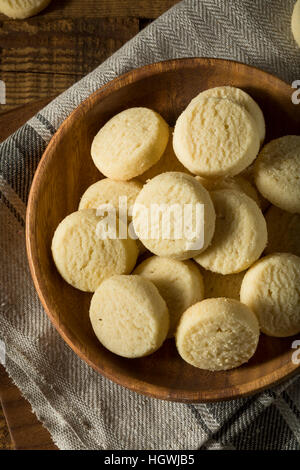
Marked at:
<point>39,58</point>
<point>63,43</point>
<point>25,430</point>
<point>106,8</point>
<point>28,434</point>
<point>10,121</point>
<point>5,439</point>
<point>22,88</point>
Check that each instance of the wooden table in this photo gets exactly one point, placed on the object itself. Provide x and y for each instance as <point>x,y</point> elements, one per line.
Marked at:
<point>44,55</point>
<point>39,58</point>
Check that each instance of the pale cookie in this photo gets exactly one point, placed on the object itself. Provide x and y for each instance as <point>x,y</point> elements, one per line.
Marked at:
<point>83,259</point>
<point>296,22</point>
<point>180,283</point>
<point>109,192</point>
<point>238,182</point>
<point>240,97</point>
<point>240,234</point>
<point>20,9</point>
<point>217,334</point>
<point>277,171</point>
<point>167,216</point>
<point>248,174</point>
<point>129,316</point>
<point>168,162</point>
<point>271,289</point>
<point>220,285</point>
<point>130,143</point>
<point>283,231</point>
<point>215,137</point>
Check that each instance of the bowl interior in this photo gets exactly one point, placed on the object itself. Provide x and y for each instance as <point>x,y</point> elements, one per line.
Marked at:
<point>66,170</point>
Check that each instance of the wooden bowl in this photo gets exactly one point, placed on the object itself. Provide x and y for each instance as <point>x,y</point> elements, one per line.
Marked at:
<point>66,170</point>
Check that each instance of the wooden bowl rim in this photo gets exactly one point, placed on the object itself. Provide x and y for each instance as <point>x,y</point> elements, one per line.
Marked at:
<point>137,385</point>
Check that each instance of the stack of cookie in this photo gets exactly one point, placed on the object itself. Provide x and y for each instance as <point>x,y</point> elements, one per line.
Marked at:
<point>213,291</point>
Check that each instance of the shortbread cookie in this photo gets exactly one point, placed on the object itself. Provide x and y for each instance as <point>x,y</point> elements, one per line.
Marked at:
<point>296,22</point>
<point>84,259</point>
<point>107,191</point>
<point>240,97</point>
<point>240,235</point>
<point>166,216</point>
<point>238,182</point>
<point>217,334</point>
<point>129,316</point>
<point>216,137</point>
<point>270,288</point>
<point>20,9</point>
<point>180,283</point>
<point>168,162</point>
<point>277,171</point>
<point>130,143</point>
<point>248,175</point>
<point>220,285</point>
<point>283,231</point>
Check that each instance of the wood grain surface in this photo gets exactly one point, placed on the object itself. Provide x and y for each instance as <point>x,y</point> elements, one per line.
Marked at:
<point>5,439</point>
<point>65,172</point>
<point>45,54</point>
<point>26,432</point>
<point>19,427</point>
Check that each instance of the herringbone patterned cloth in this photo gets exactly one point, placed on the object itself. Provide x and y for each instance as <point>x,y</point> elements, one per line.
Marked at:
<point>81,409</point>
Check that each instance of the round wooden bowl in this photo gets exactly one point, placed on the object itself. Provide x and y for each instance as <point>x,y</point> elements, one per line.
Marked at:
<point>66,170</point>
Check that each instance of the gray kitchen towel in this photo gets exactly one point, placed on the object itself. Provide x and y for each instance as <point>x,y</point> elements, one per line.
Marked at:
<point>80,408</point>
